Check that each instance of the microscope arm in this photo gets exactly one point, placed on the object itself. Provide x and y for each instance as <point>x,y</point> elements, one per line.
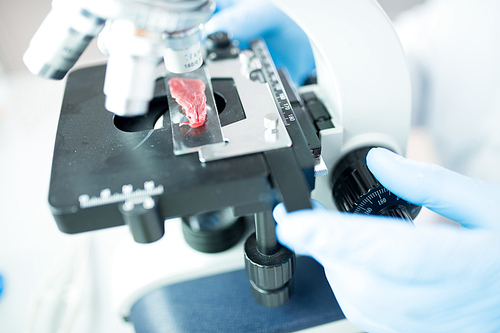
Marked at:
<point>363,77</point>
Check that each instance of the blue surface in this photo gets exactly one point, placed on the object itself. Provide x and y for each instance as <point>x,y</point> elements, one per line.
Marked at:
<point>223,303</point>
<point>1,284</point>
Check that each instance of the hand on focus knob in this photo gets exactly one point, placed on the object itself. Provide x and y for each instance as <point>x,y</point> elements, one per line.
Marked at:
<point>389,276</point>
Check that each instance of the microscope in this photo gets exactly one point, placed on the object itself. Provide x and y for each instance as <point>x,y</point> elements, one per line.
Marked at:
<point>263,142</point>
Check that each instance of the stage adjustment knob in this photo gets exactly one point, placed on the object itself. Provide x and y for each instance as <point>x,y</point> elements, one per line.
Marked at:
<point>144,219</point>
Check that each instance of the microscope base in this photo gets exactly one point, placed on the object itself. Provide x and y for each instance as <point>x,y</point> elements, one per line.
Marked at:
<point>222,303</point>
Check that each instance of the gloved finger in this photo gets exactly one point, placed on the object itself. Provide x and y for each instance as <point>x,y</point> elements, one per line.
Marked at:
<point>316,205</point>
<point>465,200</point>
<point>223,4</point>
<point>246,20</point>
<point>280,212</point>
<point>386,247</point>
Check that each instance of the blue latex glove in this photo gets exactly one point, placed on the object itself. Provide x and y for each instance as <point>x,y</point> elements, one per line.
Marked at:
<point>389,276</point>
<point>1,284</point>
<point>249,19</point>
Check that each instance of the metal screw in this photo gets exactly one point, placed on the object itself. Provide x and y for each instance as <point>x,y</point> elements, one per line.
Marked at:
<point>83,198</point>
<point>149,185</point>
<point>246,57</point>
<point>106,193</point>
<point>271,122</point>
<point>128,206</point>
<point>127,189</point>
<point>148,203</point>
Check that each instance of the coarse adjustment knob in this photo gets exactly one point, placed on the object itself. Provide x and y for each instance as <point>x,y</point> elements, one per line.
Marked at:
<point>271,276</point>
<point>356,190</point>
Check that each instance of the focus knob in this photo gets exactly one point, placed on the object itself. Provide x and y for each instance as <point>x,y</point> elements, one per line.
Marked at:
<point>271,276</point>
<point>356,190</point>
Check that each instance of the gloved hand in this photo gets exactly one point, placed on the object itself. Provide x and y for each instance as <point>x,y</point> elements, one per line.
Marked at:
<point>249,19</point>
<point>389,276</point>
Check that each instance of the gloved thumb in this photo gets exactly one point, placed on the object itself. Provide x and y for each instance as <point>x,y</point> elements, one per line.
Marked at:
<point>465,200</point>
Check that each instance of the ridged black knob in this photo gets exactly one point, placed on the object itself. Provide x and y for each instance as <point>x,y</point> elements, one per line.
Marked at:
<point>398,212</point>
<point>213,232</point>
<point>356,190</point>
<point>270,275</point>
